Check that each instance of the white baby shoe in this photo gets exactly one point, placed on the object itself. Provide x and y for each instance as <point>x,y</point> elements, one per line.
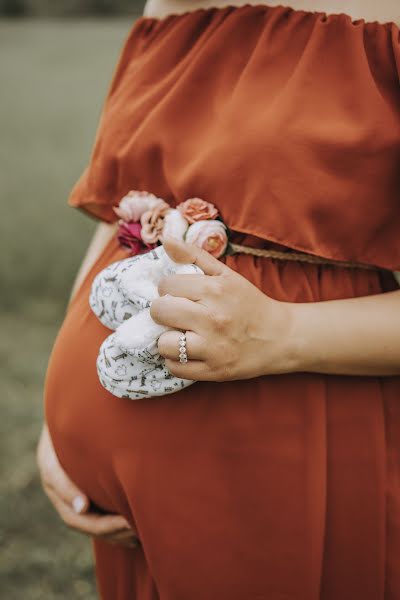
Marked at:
<point>129,364</point>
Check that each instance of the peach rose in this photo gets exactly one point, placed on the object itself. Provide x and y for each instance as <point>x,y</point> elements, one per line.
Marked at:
<point>135,203</point>
<point>210,235</point>
<point>196,209</point>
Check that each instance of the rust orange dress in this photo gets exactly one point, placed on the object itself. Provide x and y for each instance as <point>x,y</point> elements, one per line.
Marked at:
<point>283,487</point>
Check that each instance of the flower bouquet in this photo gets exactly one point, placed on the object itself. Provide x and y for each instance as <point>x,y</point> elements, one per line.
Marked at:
<point>146,219</point>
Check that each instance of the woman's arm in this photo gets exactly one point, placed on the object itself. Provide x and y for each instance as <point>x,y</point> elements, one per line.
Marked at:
<point>104,232</point>
<point>356,336</point>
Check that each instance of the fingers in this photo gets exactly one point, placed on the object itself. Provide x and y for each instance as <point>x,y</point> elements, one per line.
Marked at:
<point>72,505</point>
<point>194,287</point>
<point>178,313</point>
<point>168,345</point>
<point>123,536</point>
<point>68,491</point>
<point>91,523</point>
<point>99,524</point>
<point>197,370</point>
<point>182,252</point>
<point>123,539</point>
<point>54,477</point>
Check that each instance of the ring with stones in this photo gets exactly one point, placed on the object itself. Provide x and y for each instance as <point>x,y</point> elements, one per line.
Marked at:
<point>183,357</point>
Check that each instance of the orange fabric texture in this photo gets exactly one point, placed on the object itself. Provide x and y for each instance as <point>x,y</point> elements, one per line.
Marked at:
<point>282,487</point>
<point>289,122</point>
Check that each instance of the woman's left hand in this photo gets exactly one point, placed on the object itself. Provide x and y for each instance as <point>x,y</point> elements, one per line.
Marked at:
<point>233,330</point>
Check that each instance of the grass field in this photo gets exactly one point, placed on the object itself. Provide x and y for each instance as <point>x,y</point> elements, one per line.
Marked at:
<point>54,76</point>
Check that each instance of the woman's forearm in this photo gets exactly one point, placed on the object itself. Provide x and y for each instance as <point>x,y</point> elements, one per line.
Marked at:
<point>356,336</point>
<point>104,232</point>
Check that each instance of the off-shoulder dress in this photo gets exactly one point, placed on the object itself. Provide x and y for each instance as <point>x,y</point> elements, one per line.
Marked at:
<point>283,487</point>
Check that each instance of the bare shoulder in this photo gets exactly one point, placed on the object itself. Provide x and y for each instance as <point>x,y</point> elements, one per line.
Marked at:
<point>383,11</point>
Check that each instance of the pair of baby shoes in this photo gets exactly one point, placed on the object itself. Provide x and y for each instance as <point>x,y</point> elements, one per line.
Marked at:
<point>129,364</point>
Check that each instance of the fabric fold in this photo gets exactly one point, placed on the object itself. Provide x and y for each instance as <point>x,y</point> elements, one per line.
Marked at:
<point>288,121</point>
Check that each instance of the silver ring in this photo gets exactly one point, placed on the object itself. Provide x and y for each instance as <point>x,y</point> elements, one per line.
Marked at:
<point>183,357</point>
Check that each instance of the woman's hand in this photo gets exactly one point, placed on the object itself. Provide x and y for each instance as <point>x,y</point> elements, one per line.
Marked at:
<point>72,505</point>
<point>234,331</point>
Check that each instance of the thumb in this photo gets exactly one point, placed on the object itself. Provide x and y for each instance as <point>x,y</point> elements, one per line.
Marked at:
<point>182,252</point>
<point>70,493</point>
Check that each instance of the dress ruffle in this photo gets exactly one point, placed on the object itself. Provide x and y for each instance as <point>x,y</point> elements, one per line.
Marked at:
<point>288,121</point>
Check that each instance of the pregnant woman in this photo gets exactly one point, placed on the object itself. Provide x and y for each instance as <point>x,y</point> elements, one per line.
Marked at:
<point>276,475</point>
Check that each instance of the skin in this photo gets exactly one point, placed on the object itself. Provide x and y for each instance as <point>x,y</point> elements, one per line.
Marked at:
<point>63,494</point>
<point>370,10</point>
<point>357,336</point>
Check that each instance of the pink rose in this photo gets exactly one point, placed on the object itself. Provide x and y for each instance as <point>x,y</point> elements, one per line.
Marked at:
<point>129,235</point>
<point>210,235</point>
<point>153,223</point>
<point>135,203</point>
<point>196,209</point>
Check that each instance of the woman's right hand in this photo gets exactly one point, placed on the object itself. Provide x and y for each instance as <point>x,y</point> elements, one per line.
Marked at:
<point>72,505</point>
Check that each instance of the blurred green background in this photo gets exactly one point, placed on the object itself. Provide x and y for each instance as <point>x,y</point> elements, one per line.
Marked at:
<point>71,7</point>
<point>54,75</point>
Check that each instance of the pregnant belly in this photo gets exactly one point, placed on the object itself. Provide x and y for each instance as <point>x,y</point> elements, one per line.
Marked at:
<point>232,435</point>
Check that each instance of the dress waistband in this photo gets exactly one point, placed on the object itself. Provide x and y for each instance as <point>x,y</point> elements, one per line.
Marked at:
<point>299,256</point>
<point>130,232</point>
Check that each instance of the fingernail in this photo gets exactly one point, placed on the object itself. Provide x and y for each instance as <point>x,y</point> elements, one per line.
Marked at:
<point>78,504</point>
